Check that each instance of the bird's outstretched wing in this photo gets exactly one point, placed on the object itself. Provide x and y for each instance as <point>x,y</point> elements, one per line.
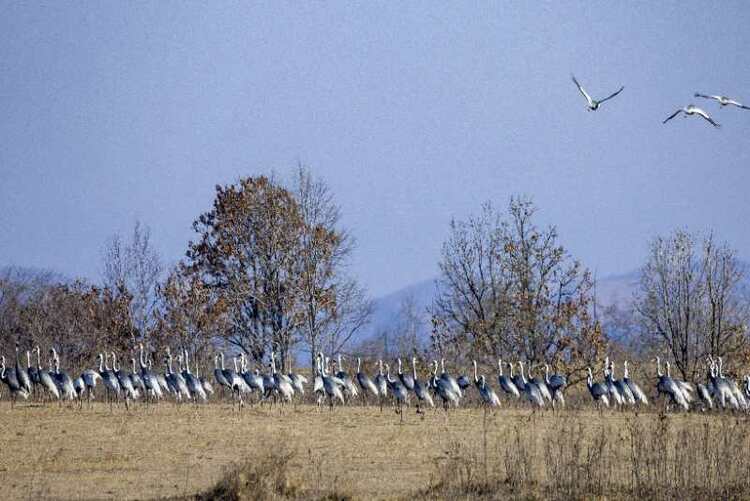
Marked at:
<point>708,118</point>
<point>739,105</point>
<point>613,95</point>
<point>580,89</point>
<point>670,117</point>
<point>704,96</point>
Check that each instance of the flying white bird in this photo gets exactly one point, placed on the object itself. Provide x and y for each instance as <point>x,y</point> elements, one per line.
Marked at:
<point>723,101</point>
<point>592,103</point>
<point>691,109</point>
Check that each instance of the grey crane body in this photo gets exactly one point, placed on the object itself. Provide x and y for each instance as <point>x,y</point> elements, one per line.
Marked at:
<point>193,383</point>
<point>599,392</point>
<point>638,394</point>
<point>450,381</point>
<point>666,386</point>
<point>406,379</point>
<point>283,385</point>
<point>556,384</point>
<point>622,388</point>
<point>420,390</point>
<point>506,383</point>
<point>489,397</point>
<point>22,373</point>
<point>10,379</point>
<point>331,386</point>
<point>45,379</point>
<point>63,380</point>
<point>531,391</point>
<point>365,383</point>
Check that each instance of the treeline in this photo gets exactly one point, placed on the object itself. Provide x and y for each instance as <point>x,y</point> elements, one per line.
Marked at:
<point>268,269</point>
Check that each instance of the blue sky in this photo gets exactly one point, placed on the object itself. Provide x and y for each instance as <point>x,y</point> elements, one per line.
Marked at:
<point>413,113</point>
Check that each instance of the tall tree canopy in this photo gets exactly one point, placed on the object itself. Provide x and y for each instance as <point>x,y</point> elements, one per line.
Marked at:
<point>690,300</point>
<point>275,259</point>
<point>508,288</point>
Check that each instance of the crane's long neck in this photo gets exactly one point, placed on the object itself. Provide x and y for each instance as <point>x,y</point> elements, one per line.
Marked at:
<point>235,364</point>
<point>169,363</point>
<point>500,365</point>
<point>101,363</point>
<point>140,357</point>
<point>187,364</point>
<point>359,364</point>
<point>114,362</point>
<point>338,360</point>
<point>658,367</point>
<point>668,371</point>
<point>625,372</point>
<point>546,373</point>
<point>520,371</point>
<point>510,366</point>
<point>721,368</point>
<point>273,363</point>
<point>442,366</point>
<point>380,367</point>
<point>28,359</point>
<point>590,379</point>
<point>414,368</point>
<point>221,355</point>
<point>399,367</point>
<point>476,378</point>
<point>38,358</point>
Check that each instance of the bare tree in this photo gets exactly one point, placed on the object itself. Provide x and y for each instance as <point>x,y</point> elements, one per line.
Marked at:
<point>333,305</point>
<point>134,266</point>
<point>508,288</point>
<point>690,299</point>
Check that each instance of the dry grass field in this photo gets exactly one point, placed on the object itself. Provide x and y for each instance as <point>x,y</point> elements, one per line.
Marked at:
<point>177,452</point>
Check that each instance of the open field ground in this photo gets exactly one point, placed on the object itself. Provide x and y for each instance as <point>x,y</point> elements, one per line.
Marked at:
<point>169,451</point>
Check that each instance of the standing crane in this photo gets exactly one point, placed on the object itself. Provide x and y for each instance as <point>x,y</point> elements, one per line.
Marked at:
<point>489,397</point>
<point>63,380</point>
<point>382,384</point>
<point>406,379</point>
<point>11,381</point>
<point>399,392</point>
<point>443,389</point>
<point>599,391</point>
<point>638,394</point>
<point>420,389</point>
<point>22,374</point>
<point>505,382</point>
<point>365,383</point>
<point>556,384</point>
<point>44,377</point>
<point>666,386</point>
<point>531,390</point>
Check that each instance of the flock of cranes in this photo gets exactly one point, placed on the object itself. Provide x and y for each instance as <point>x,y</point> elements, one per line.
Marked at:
<point>689,110</point>
<point>334,386</point>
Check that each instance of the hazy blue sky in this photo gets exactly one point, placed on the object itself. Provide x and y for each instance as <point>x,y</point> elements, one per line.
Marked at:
<point>413,113</point>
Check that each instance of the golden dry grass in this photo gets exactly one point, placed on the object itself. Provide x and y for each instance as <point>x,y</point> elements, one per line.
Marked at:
<point>168,451</point>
